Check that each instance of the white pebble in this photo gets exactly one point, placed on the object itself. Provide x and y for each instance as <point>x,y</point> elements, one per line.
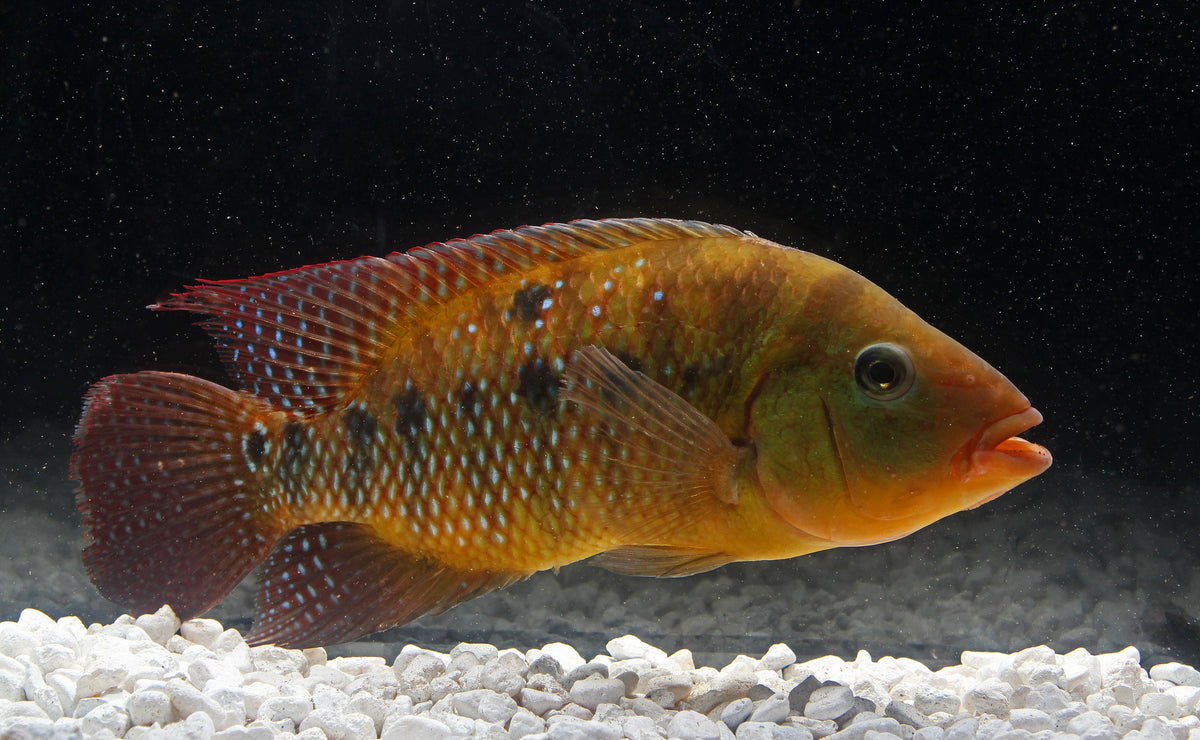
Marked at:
<point>988,698</point>
<point>159,626</point>
<point>201,631</point>
<point>104,717</point>
<point>1159,705</point>
<point>829,702</point>
<point>1186,697</point>
<point>595,690</point>
<point>21,709</point>
<point>206,670</point>
<point>15,641</point>
<point>629,646</point>
<point>524,723</point>
<point>37,691</point>
<point>189,701</point>
<point>581,729</point>
<point>690,725</point>
<point>540,702</point>
<point>482,651</point>
<point>679,685</point>
<point>232,702</point>
<point>1031,720</point>
<point>772,709</point>
<point>567,656</point>
<point>28,727</point>
<point>274,659</point>
<point>347,726</point>
<point>929,700</point>
<point>409,727</point>
<point>737,712</point>
<point>777,657</point>
<point>292,708</point>
<point>12,688</point>
<point>485,704</point>
<point>1048,698</point>
<point>149,706</point>
<point>63,681</point>
<point>105,669</point>
<point>1177,673</point>
<point>1087,722</point>
<point>256,732</point>
<point>34,621</point>
<point>52,656</point>
<point>197,725</point>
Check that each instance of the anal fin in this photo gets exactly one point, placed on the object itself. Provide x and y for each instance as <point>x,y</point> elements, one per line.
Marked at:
<point>336,581</point>
<point>660,560</point>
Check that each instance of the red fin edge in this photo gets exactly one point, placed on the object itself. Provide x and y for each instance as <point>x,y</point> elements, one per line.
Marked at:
<point>172,512</point>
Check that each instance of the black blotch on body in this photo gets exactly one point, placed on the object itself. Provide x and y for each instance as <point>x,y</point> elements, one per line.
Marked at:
<point>538,385</point>
<point>468,400</point>
<point>691,378</point>
<point>361,428</point>
<point>630,361</point>
<point>410,417</point>
<point>256,446</point>
<point>696,373</point>
<point>527,302</point>
<point>295,452</point>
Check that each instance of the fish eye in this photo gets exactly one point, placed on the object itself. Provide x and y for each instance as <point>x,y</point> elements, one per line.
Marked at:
<point>884,371</point>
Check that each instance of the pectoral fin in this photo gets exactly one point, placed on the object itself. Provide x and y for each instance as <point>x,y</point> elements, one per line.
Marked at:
<point>671,445</point>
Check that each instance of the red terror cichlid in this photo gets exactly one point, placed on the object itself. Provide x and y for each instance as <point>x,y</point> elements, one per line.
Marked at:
<point>415,430</point>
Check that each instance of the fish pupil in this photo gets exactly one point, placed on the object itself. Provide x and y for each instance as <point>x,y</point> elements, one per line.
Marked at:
<point>884,372</point>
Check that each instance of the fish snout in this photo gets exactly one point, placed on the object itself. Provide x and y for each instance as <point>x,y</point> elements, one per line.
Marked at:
<point>996,459</point>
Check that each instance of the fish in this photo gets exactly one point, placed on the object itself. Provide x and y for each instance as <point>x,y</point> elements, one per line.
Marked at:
<point>408,432</point>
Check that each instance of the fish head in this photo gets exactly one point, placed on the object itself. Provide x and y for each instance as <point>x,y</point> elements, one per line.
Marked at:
<point>883,424</point>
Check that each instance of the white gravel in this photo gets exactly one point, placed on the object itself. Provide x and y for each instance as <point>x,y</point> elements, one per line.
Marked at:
<point>151,677</point>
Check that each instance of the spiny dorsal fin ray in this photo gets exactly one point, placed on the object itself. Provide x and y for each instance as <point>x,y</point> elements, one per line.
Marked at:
<point>335,581</point>
<point>304,339</point>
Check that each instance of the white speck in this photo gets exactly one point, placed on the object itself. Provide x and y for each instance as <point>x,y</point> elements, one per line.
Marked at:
<point>658,295</point>
<point>596,310</point>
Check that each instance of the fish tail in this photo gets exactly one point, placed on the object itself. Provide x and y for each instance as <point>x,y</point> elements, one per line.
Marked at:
<point>176,508</point>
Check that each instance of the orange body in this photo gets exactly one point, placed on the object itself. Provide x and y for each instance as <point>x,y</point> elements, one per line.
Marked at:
<point>415,430</point>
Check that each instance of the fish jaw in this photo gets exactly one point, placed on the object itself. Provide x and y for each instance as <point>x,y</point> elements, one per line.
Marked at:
<point>996,459</point>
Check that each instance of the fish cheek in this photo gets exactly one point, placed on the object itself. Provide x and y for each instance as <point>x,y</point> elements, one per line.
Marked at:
<point>894,454</point>
<point>798,463</point>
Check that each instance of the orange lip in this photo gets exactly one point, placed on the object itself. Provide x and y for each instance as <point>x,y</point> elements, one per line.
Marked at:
<point>996,451</point>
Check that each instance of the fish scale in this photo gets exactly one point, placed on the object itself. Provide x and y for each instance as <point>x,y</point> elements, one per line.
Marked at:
<point>415,430</point>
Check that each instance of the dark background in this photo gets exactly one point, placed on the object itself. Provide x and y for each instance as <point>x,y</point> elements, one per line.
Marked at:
<point>1023,176</point>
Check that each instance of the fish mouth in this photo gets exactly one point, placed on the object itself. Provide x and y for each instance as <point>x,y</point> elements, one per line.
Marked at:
<point>999,457</point>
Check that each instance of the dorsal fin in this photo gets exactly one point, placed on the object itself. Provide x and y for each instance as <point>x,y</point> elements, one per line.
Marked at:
<point>304,339</point>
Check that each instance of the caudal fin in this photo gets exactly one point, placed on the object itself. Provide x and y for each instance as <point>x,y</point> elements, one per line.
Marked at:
<point>174,509</point>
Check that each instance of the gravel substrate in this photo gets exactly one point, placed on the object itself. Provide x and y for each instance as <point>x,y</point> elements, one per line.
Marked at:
<point>152,677</point>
